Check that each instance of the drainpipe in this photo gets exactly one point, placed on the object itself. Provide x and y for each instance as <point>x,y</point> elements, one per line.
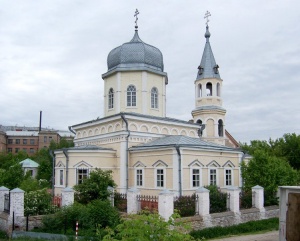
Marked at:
<point>71,129</point>
<point>65,151</point>
<point>179,170</point>
<point>53,168</point>
<point>127,137</point>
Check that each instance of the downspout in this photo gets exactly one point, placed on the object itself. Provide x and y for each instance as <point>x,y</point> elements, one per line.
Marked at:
<point>127,137</point>
<point>53,170</point>
<point>71,129</point>
<point>179,170</point>
<point>67,165</point>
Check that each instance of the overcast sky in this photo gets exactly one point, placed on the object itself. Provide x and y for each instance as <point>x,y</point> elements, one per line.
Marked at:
<point>53,53</point>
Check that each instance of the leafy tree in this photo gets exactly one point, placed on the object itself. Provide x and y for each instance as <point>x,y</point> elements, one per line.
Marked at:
<point>269,172</point>
<point>287,147</point>
<point>12,177</point>
<point>149,226</point>
<point>95,186</point>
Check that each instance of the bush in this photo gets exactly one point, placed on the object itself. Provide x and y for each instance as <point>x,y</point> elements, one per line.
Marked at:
<point>149,226</point>
<point>94,187</point>
<point>89,217</point>
<point>249,227</point>
<point>38,203</point>
<point>217,199</point>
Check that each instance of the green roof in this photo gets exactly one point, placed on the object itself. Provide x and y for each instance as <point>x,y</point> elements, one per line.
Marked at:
<point>29,163</point>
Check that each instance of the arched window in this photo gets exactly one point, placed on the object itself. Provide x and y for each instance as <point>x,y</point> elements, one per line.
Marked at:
<point>154,98</point>
<point>111,98</point>
<point>131,96</point>
<point>209,89</point>
<point>199,90</point>
<point>220,127</point>
<point>218,89</point>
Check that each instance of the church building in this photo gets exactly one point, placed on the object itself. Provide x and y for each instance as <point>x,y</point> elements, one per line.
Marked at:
<point>143,147</point>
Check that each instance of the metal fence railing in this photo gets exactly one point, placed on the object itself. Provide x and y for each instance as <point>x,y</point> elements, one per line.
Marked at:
<point>41,205</point>
<point>246,199</point>
<point>186,205</point>
<point>148,202</point>
<point>120,201</point>
<point>218,202</point>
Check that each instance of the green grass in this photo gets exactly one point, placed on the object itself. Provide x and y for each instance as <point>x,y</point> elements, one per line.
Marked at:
<point>240,229</point>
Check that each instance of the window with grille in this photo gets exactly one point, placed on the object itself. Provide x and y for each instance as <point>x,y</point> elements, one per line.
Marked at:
<point>139,177</point>
<point>228,178</point>
<point>81,175</point>
<point>213,177</point>
<point>131,96</point>
<point>196,178</point>
<point>160,177</point>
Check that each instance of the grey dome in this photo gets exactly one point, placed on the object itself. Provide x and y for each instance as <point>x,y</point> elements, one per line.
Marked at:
<point>135,55</point>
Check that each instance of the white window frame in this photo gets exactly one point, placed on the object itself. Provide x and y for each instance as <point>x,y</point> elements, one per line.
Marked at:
<point>154,98</point>
<point>111,98</point>
<point>60,166</point>
<point>163,175</point>
<point>61,173</point>
<point>131,94</point>
<point>209,176</point>
<point>142,174</point>
<point>196,165</point>
<point>160,165</point>
<point>79,169</point>
<point>231,176</point>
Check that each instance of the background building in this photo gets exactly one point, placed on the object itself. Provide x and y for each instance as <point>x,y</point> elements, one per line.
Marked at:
<point>29,139</point>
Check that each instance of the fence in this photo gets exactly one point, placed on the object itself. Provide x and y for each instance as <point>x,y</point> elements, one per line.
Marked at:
<point>6,203</point>
<point>41,204</point>
<point>186,205</point>
<point>246,199</point>
<point>120,201</point>
<point>148,202</point>
<point>219,202</point>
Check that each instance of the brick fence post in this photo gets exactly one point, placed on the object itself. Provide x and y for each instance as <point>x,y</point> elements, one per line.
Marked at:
<point>17,202</point>
<point>234,199</point>
<point>133,205</point>
<point>3,191</point>
<point>203,201</point>
<point>67,196</point>
<point>166,204</point>
<point>258,200</point>
<point>258,197</point>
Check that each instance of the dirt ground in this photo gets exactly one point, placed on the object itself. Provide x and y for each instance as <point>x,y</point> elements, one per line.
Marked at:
<point>269,236</point>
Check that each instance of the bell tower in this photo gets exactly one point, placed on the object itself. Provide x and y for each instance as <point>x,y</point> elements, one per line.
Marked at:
<point>208,95</point>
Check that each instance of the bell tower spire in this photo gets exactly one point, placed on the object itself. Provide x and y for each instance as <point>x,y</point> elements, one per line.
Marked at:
<point>208,101</point>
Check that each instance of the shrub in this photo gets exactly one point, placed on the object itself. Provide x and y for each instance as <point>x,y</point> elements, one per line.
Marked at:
<point>217,199</point>
<point>38,203</point>
<point>97,213</point>
<point>249,227</point>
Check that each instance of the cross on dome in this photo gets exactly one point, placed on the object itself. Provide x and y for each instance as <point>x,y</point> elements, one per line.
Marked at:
<point>136,17</point>
<point>207,14</point>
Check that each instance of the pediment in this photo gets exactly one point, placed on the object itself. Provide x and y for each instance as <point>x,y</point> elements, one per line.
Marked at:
<point>213,164</point>
<point>196,163</point>
<point>159,163</point>
<point>229,164</point>
<point>82,164</point>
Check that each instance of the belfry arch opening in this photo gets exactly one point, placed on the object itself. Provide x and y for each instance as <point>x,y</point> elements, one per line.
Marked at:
<point>218,89</point>
<point>209,89</point>
<point>220,128</point>
<point>199,90</point>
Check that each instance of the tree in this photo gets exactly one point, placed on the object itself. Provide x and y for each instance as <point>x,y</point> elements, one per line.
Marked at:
<point>150,226</point>
<point>95,186</point>
<point>269,172</point>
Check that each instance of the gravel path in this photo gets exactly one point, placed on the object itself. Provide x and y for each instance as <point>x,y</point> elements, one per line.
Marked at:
<point>269,236</point>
